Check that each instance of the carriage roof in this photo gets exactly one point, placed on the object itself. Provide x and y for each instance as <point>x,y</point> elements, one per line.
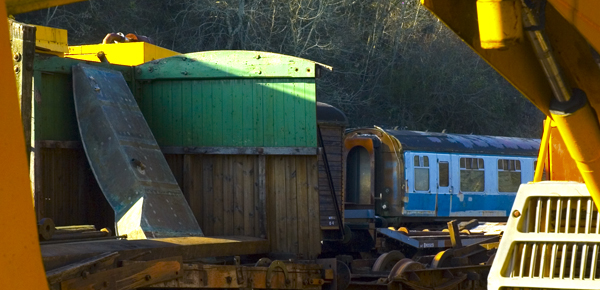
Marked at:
<point>462,143</point>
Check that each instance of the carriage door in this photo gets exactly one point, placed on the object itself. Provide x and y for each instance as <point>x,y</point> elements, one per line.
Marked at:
<point>444,185</point>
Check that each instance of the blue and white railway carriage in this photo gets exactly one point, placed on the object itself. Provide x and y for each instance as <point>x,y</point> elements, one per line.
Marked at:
<point>410,175</point>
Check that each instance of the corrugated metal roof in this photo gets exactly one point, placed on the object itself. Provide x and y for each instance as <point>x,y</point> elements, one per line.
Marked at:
<point>479,144</point>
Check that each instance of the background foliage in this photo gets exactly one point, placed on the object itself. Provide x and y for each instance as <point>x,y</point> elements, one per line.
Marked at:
<point>394,63</point>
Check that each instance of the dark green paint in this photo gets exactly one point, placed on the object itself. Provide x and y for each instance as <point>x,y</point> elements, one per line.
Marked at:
<point>219,102</point>
<point>232,112</point>
<point>54,109</point>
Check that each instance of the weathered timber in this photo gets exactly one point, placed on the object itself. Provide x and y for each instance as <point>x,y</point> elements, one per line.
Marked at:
<point>223,192</point>
<point>79,235</point>
<point>229,64</point>
<point>58,144</point>
<point>77,228</point>
<point>220,100</point>
<point>240,150</point>
<point>201,276</point>
<point>23,50</point>
<point>66,272</point>
<point>60,65</point>
<point>335,220</point>
<point>190,248</point>
<point>131,276</point>
<point>293,223</point>
<point>261,206</point>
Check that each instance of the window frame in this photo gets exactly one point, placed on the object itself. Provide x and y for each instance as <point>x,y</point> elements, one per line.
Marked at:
<point>421,165</point>
<point>447,176</point>
<point>510,166</point>
<point>469,167</point>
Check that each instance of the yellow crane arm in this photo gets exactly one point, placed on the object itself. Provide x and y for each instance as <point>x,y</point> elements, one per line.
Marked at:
<point>21,261</point>
<point>555,59</point>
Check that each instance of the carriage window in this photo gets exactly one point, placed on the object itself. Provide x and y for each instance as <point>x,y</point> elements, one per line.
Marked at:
<point>472,177</point>
<point>444,174</point>
<point>421,173</point>
<point>509,175</point>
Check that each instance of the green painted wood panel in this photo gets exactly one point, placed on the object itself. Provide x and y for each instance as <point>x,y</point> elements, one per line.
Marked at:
<point>54,109</point>
<point>230,98</point>
<point>243,112</point>
<point>229,64</point>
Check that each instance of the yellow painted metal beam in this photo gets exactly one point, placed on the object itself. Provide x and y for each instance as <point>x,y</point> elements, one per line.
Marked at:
<point>21,6</point>
<point>21,260</point>
<point>569,25</point>
<point>583,15</point>
<point>131,53</point>
<point>543,154</point>
<point>581,133</point>
<point>517,63</point>
<point>574,56</point>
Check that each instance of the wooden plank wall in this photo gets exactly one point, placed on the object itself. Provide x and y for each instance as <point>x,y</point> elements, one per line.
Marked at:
<point>332,140</point>
<point>67,191</point>
<point>293,205</point>
<point>224,192</point>
<point>231,112</point>
<point>65,188</point>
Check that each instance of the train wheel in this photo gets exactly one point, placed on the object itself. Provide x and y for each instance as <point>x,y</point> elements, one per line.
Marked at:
<point>342,277</point>
<point>387,261</point>
<point>442,259</point>
<point>347,235</point>
<point>402,266</point>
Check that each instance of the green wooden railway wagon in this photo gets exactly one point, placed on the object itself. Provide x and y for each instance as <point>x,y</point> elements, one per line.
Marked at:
<point>238,129</point>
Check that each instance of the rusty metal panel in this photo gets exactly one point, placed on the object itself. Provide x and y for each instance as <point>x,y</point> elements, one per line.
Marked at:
<point>126,160</point>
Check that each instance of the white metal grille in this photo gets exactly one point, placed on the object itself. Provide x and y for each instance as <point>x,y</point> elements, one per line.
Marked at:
<point>577,215</point>
<point>552,240</point>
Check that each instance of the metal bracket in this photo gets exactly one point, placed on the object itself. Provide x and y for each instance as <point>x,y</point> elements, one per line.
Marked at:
<point>239,273</point>
<point>273,266</point>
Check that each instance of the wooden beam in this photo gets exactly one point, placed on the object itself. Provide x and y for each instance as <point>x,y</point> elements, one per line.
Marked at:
<point>240,150</point>
<point>21,6</point>
<point>58,144</point>
<point>199,150</point>
<point>22,44</point>
<point>262,197</point>
<point>131,276</point>
<point>53,64</point>
<point>190,248</point>
<point>68,271</point>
